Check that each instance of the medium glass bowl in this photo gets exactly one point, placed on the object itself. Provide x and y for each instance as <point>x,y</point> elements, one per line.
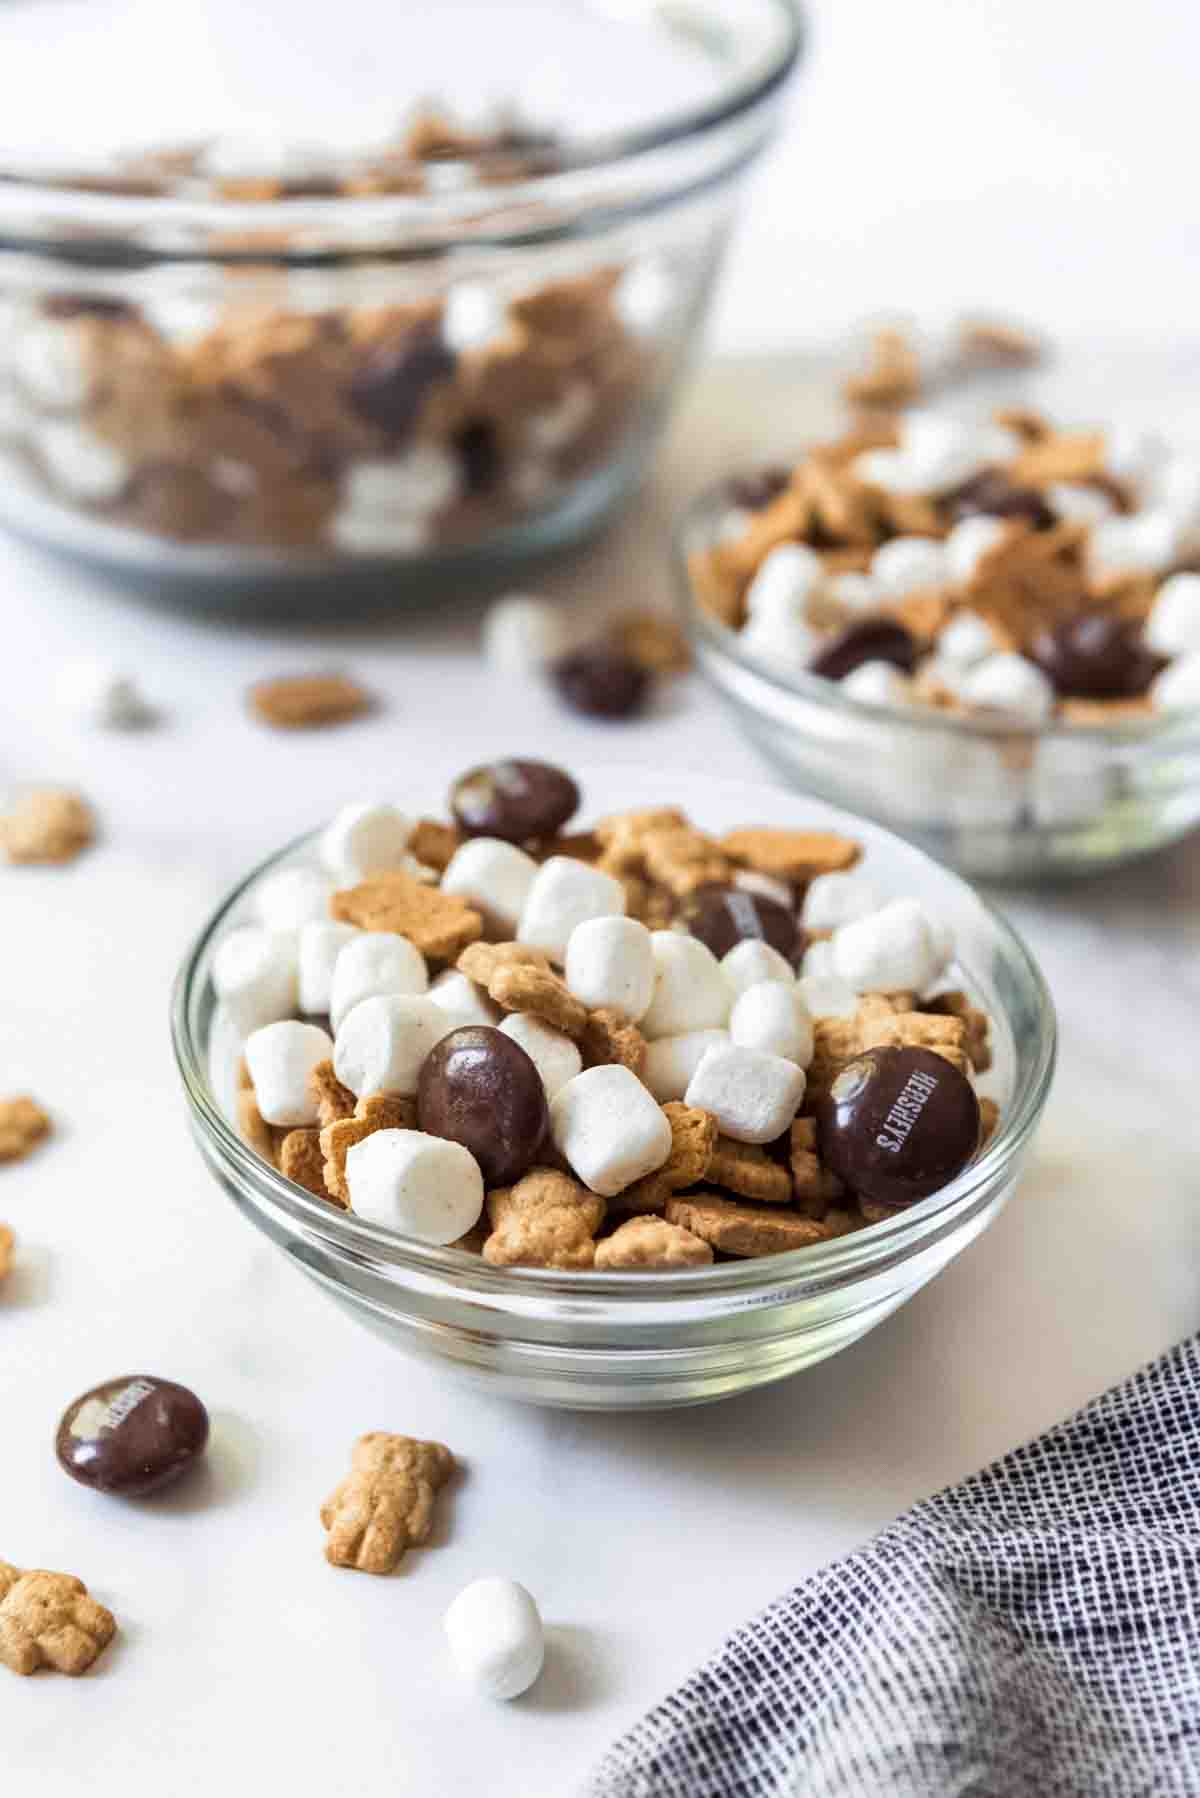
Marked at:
<point>993,800</point>
<point>228,382</point>
<point>614,1341</point>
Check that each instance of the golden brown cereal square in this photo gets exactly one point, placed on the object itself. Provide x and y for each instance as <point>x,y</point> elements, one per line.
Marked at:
<point>23,1123</point>
<point>651,1243</point>
<point>308,701</point>
<point>440,925</point>
<point>47,824</point>
<point>385,1504</point>
<point>547,1219</point>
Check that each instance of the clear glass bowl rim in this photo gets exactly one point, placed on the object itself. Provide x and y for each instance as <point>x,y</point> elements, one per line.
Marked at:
<point>1170,730</point>
<point>821,1267</point>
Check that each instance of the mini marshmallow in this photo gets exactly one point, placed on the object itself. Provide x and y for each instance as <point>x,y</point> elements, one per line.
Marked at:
<point>473,313</point>
<point>79,462</point>
<point>899,948</point>
<point>422,1186</point>
<point>751,881</point>
<point>1177,688</point>
<point>967,544</point>
<point>609,1128</point>
<point>1133,454</point>
<point>787,578</point>
<point>379,534</point>
<point>423,480</point>
<point>690,991</point>
<point>610,961</point>
<point>1075,504</point>
<point>97,693</point>
<point>752,961</point>
<point>889,469</point>
<point>817,961</point>
<point>496,877</point>
<point>47,361</point>
<point>856,592</point>
<point>318,946</point>
<point>559,425</point>
<point>1008,683</point>
<point>496,1638</point>
<point>1136,543</point>
<point>466,1002</point>
<point>827,996</point>
<point>672,1060</point>
<point>564,894</point>
<point>375,962</point>
<point>254,976</point>
<point>280,1057</point>
<point>877,683</point>
<point>1173,627</point>
<point>381,1044</point>
<point>943,450</point>
<point>522,635</point>
<point>555,1056</point>
<point>754,1096</point>
<point>774,1018</point>
<point>1176,489</point>
<point>832,900</point>
<point>292,897</point>
<point>780,640</point>
<point>906,564</point>
<point>644,296</point>
<point>364,838</point>
<point>967,639</point>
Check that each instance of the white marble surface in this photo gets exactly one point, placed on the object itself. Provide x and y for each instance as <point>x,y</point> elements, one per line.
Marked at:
<point>243,1660</point>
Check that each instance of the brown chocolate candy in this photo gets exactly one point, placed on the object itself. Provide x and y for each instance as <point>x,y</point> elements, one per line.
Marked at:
<point>514,800</point>
<point>131,1435</point>
<point>390,387</point>
<point>868,640</point>
<point>897,1124</point>
<point>479,1088</point>
<point>992,493</point>
<point>602,681</point>
<point>722,916</point>
<point>1095,655</point>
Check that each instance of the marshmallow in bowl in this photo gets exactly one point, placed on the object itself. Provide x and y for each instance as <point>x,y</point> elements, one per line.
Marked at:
<point>292,897</point>
<point>781,640</point>
<point>907,564</point>
<point>423,480</point>
<point>899,948</point>
<point>1011,684</point>
<point>555,1056</point>
<point>495,877</point>
<point>967,544</point>
<point>609,1128</point>
<point>855,592</point>
<point>373,963</point>
<point>49,363</point>
<point>463,999</point>
<point>610,962</point>
<point>752,961</point>
<point>1078,505</point>
<point>280,1057</point>
<point>1136,543</point>
<point>423,1186</point>
<point>1176,489</point>
<point>319,944</point>
<point>82,464</point>
<point>786,580</point>
<point>381,1044</point>
<point>1177,688</point>
<point>964,641</point>
<point>1173,627</point>
<point>564,894</point>
<point>690,990</point>
<point>672,1060</point>
<point>367,837</point>
<point>774,1018</point>
<point>753,1095</point>
<point>877,683</point>
<point>835,899</point>
<point>827,995</point>
<point>254,974</point>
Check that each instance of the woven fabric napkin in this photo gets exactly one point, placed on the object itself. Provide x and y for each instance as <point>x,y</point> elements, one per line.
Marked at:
<point>1032,1631</point>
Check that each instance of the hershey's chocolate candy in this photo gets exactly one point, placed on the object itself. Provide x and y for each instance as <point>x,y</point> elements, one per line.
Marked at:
<point>389,388</point>
<point>1095,655</point>
<point>897,1124</point>
<point>515,800</point>
<point>867,640</point>
<point>992,492</point>
<point>479,1088</point>
<point>722,916</point>
<point>131,1435</point>
<point>602,681</point>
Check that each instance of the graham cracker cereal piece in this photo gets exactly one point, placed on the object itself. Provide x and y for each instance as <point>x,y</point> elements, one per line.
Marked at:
<point>434,843</point>
<point>385,1504</point>
<point>650,905</point>
<point>746,1169</point>
<point>923,613</point>
<point>308,701</point>
<point>265,1139</point>
<point>814,1188</point>
<point>881,1027</point>
<point>1032,426</point>
<point>546,1219</point>
<point>1106,711</point>
<point>609,1036</point>
<point>375,1111</point>
<point>998,343</point>
<point>472,1243</point>
<point>792,855</point>
<point>48,824</point>
<point>579,845</point>
<point>976,1024</point>
<point>737,1228</point>
<point>892,376</point>
<point>333,1099</point>
<point>7,1244</point>
<point>718,589</point>
<point>48,1620</point>
<point>841,507</point>
<point>787,519</point>
<point>302,1159</point>
<point>683,859</point>
<point>481,961</point>
<point>651,1242</point>
<point>693,1141</point>
<point>439,924</point>
<point>1062,456</point>
<point>517,986</point>
<point>622,836</point>
<point>652,640</point>
<point>22,1124</point>
<point>873,1212</point>
<point>989,1118</point>
<point>387,1111</point>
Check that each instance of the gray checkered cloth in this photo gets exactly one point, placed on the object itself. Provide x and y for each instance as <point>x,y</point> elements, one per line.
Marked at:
<point>1032,1633</point>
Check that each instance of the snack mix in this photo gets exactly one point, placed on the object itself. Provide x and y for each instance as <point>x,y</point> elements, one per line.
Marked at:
<point>630,1047</point>
<point>1007,570</point>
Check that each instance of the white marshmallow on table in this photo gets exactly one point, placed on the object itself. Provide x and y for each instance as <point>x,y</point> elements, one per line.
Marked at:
<point>1177,688</point>
<point>422,480</point>
<point>564,894</point>
<point>1009,683</point>
<point>291,897</point>
<point>856,592</point>
<point>610,962</point>
<point>559,425</point>
<point>280,1057</point>
<point>318,946</point>
<point>609,1128</point>
<point>906,564</point>
<point>753,1095</point>
<point>751,881</point>
<point>1176,489</point>
<point>900,948</point>
<point>496,1637</point>
<point>1136,543</point>
<point>366,837</point>
<point>495,876</point>
<point>1073,503</point>
<point>1173,627</point>
<point>555,1056</point>
<point>79,462</point>
<point>827,995</point>
<point>752,961</point>
<point>522,635</point>
<point>780,640</point>
<point>831,900</point>
<point>374,963</point>
<point>381,1044</point>
<point>690,990</point>
<point>672,1060</point>
<point>775,1018</point>
<point>473,313</point>
<point>463,999</point>
<point>965,640</point>
<point>418,1185</point>
<point>787,578</point>
<point>97,693</point>
<point>877,683</point>
<point>254,976</point>
<point>371,534</point>
<point>966,545</point>
<point>48,363</point>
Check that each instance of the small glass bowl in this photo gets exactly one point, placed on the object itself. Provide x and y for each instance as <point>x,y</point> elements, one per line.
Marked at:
<point>995,800</point>
<point>227,383</point>
<point>611,1341</point>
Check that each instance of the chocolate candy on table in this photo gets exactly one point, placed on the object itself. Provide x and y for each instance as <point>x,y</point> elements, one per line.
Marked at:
<point>1095,655</point>
<point>390,388</point>
<point>868,640</point>
<point>513,800</point>
<point>131,1435</point>
<point>992,493</point>
<point>479,1088</point>
<point>602,681</point>
<point>722,916</point>
<point>897,1124</point>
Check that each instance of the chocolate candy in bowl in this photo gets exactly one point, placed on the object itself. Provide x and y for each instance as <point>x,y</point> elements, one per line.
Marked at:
<point>131,1435</point>
<point>867,640</point>
<point>479,1088</point>
<point>1096,655</point>
<point>898,1124</point>
<point>514,800</point>
<point>602,682</point>
<point>723,916</point>
<point>992,495</point>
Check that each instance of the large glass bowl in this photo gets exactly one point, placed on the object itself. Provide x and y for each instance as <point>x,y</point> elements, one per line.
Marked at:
<point>619,1341</point>
<point>994,800</point>
<point>315,377</point>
